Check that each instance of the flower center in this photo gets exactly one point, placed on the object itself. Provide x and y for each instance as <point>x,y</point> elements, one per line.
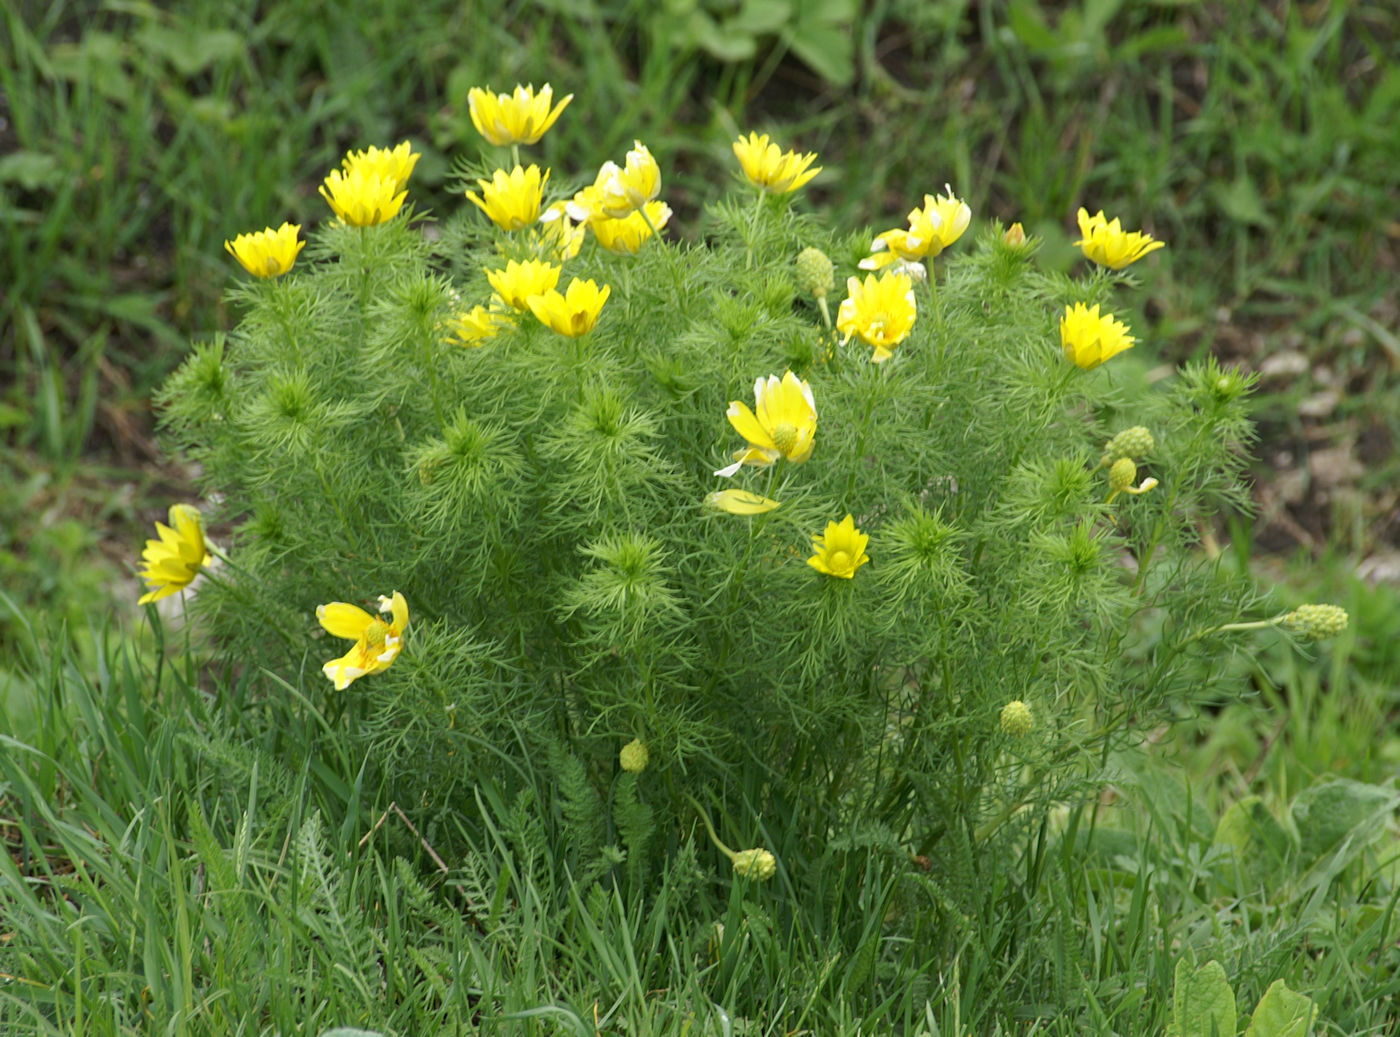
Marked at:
<point>840,561</point>
<point>375,633</point>
<point>785,437</point>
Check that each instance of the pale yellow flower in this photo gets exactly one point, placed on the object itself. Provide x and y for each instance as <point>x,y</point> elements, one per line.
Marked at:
<point>574,312</point>
<point>518,281</point>
<point>740,502</point>
<point>396,164</point>
<point>783,423</point>
<point>172,562</point>
<point>630,186</point>
<point>1107,244</point>
<point>1089,339</point>
<point>519,118</point>
<point>268,252</point>
<point>513,199</point>
<point>881,311</point>
<point>361,198</point>
<point>770,168</point>
<point>840,550</point>
<point>932,228</point>
<point>377,641</point>
<point>479,325</point>
<point>628,234</point>
<point>586,206</point>
<point>559,237</point>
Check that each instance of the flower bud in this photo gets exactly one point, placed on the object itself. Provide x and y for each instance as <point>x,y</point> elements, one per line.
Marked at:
<point>755,864</point>
<point>1015,235</point>
<point>1135,443</point>
<point>634,756</point>
<point>1016,719</point>
<point>815,273</point>
<point>1121,475</point>
<point>1316,622</point>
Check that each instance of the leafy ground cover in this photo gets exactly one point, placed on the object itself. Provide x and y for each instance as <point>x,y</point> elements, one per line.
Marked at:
<point>150,831</point>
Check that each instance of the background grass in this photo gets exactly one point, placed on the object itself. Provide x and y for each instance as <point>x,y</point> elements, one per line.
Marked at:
<point>148,831</point>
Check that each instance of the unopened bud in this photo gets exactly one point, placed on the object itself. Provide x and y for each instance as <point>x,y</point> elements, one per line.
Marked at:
<point>1015,235</point>
<point>755,864</point>
<point>1016,719</point>
<point>1121,475</point>
<point>1135,443</point>
<point>815,273</point>
<point>1316,622</point>
<point>634,756</point>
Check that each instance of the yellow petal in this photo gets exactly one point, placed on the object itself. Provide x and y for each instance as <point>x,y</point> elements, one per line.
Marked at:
<point>343,619</point>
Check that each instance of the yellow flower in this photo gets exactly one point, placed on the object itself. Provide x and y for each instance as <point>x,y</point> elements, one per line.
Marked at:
<point>932,228</point>
<point>629,187</point>
<point>1107,244</point>
<point>559,237</point>
<point>840,550</point>
<point>513,199</point>
<point>519,118</point>
<point>518,281</point>
<point>740,502</point>
<point>770,168</point>
<point>628,234</point>
<point>396,165</point>
<point>479,324</point>
<point>586,206</point>
<point>363,198</point>
<point>782,424</point>
<point>268,252</point>
<point>1089,339</point>
<point>573,313</point>
<point>173,561</point>
<point>881,311</point>
<point>377,641</point>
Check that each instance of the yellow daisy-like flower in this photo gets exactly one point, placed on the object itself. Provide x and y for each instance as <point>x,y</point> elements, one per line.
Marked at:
<point>518,281</point>
<point>627,235</point>
<point>1107,244</point>
<point>932,228</point>
<point>740,502</point>
<point>172,562</point>
<point>1089,339</point>
<point>586,206</point>
<point>770,168</point>
<point>389,164</point>
<point>881,311</point>
<point>783,423</point>
<point>559,238</point>
<point>519,118</point>
<point>377,641</point>
<point>840,550</point>
<point>513,199</point>
<point>362,198</point>
<point>479,325</point>
<point>268,252</point>
<point>575,311</point>
<point>627,188</point>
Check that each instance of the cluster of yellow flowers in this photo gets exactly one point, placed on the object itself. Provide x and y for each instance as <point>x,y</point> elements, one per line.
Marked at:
<point>623,210</point>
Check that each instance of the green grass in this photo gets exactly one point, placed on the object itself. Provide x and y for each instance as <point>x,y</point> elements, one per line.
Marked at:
<point>179,863</point>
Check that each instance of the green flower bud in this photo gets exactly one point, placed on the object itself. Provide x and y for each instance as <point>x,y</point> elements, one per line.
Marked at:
<point>1316,622</point>
<point>1016,719</point>
<point>1121,475</point>
<point>634,756</point>
<point>1135,443</point>
<point>755,864</point>
<point>815,273</point>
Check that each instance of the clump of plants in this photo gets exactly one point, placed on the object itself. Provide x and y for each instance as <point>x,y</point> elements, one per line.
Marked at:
<point>635,550</point>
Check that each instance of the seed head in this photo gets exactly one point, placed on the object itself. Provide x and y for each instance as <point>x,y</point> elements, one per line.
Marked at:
<point>815,273</point>
<point>634,756</point>
<point>1316,622</point>
<point>1016,719</point>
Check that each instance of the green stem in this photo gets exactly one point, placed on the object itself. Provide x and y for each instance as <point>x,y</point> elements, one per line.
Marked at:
<point>704,817</point>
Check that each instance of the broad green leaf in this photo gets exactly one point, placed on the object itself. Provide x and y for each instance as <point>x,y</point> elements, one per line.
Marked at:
<point>1282,1013</point>
<point>1203,1005</point>
<point>1252,831</point>
<point>1326,814</point>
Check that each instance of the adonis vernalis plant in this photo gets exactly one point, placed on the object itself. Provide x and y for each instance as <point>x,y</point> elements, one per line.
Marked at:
<point>627,631</point>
